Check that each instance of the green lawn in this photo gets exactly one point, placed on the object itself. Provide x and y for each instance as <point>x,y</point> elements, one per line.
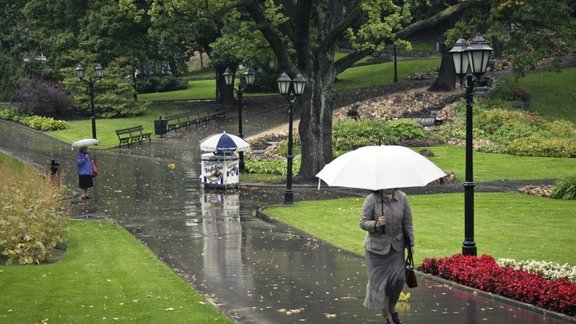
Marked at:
<point>105,275</point>
<point>380,74</point>
<point>507,225</point>
<point>551,93</point>
<point>492,166</point>
<point>197,89</point>
<point>105,128</point>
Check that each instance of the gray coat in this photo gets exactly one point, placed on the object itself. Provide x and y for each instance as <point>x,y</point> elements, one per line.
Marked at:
<point>398,223</point>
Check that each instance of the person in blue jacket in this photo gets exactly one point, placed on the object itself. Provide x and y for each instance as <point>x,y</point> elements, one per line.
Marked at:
<point>85,172</point>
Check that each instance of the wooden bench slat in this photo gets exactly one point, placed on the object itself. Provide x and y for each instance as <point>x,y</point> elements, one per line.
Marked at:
<point>132,135</point>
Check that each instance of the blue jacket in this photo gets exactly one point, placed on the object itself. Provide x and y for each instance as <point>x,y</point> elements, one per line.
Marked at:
<point>84,164</point>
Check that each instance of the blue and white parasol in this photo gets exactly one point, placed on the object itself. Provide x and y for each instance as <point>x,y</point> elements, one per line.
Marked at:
<point>224,143</point>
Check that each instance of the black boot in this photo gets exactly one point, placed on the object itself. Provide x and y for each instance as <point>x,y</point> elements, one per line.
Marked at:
<point>395,318</point>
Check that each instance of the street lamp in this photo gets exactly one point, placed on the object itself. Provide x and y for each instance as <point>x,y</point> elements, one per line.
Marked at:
<point>470,63</point>
<point>99,73</point>
<point>290,89</point>
<point>249,76</point>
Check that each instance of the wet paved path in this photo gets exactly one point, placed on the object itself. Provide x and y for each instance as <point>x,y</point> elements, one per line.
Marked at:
<point>254,271</point>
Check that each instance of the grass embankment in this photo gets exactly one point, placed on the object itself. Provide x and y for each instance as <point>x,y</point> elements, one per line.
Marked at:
<point>492,166</point>
<point>507,225</point>
<point>551,93</point>
<point>104,275</point>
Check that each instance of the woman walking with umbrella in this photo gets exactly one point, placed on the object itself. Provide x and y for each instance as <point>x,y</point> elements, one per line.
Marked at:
<point>387,219</point>
<point>386,214</point>
<point>85,172</point>
<point>85,166</point>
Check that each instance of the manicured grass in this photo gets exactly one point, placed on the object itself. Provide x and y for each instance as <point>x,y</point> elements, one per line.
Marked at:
<point>507,225</point>
<point>197,89</point>
<point>551,93</point>
<point>379,74</point>
<point>491,166</point>
<point>105,275</point>
<point>105,128</point>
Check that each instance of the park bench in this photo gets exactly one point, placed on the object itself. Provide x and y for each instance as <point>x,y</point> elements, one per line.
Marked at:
<point>132,135</point>
<point>208,116</point>
<point>187,119</point>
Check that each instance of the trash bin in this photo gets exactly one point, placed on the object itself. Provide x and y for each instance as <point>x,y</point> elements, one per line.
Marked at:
<point>160,126</point>
<point>220,170</point>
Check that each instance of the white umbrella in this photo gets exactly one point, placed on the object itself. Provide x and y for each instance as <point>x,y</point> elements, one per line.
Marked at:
<point>223,143</point>
<point>85,142</point>
<point>380,167</point>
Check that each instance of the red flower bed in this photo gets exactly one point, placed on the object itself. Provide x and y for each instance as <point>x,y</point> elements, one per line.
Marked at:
<point>485,274</point>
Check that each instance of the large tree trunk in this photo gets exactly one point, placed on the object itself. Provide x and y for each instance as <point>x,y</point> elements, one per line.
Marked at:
<point>315,127</point>
<point>224,93</point>
<point>446,80</point>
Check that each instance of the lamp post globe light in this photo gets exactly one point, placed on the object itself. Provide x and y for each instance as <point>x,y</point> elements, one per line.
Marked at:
<point>470,63</point>
<point>291,89</point>
<point>80,72</point>
<point>249,76</point>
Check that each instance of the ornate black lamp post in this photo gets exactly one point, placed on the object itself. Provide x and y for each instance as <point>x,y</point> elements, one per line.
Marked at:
<point>470,62</point>
<point>99,73</point>
<point>290,89</point>
<point>249,76</point>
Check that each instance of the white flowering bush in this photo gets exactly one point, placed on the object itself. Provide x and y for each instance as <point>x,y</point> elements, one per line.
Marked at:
<point>550,270</point>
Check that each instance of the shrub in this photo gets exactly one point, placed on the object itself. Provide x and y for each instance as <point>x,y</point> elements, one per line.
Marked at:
<point>271,166</point>
<point>402,130</point>
<point>282,148</point>
<point>515,132</point>
<point>13,114</point>
<point>42,97</point>
<point>160,84</point>
<point>484,273</point>
<point>539,146</point>
<point>35,122</point>
<point>33,221</point>
<point>562,128</point>
<point>43,123</point>
<point>349,134</point>
<point>564,188</point>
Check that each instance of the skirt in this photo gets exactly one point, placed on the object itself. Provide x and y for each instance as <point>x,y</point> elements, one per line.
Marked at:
<point>385,279</point>
<point>85,181</point>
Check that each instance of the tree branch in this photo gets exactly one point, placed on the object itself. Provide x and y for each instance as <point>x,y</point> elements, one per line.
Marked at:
<point>347,61</point>
<point>270,34</point>
<point>437,18</point>
<point>339,29</point>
